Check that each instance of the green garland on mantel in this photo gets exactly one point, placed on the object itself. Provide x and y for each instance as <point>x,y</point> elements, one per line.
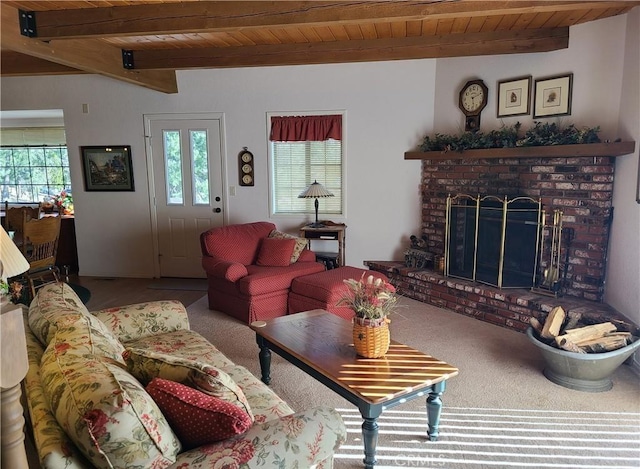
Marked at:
<point>541,134</point>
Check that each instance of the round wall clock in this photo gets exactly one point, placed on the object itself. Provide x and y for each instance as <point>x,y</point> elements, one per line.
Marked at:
<point>245,164</point>
<point>473,99</point>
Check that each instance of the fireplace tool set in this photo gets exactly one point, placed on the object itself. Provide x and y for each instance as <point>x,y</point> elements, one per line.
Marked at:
<point>549,281</point>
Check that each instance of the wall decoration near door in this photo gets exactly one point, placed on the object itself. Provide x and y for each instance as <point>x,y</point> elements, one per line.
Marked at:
<point>245,162</point>
<point>514,96</point>
<point>553,96</point>
<point>107,168</point>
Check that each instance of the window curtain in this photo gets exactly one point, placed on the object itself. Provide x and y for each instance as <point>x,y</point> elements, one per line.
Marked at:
<point>305,128</point>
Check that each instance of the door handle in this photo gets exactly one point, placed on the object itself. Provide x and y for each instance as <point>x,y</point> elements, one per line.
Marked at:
<point>217,210</point>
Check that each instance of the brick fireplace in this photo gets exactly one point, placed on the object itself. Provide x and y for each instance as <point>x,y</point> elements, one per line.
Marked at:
<point>582,187</point>
<point>576,179</point>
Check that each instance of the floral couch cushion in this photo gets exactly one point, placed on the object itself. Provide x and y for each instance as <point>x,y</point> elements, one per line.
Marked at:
<point>133,322</point>
<point>57,306</point>
<point>103,409</point>
<point>147,365</point>
<point>55,449</point>
<point>185,344</point>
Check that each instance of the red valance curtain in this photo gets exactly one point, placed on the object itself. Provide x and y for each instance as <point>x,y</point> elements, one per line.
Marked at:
<point>305,128</point>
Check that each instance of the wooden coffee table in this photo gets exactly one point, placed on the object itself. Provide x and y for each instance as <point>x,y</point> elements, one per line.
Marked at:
<point>321,344</point>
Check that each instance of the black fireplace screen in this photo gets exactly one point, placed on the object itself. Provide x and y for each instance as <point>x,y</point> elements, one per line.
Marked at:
<point>492,240</point>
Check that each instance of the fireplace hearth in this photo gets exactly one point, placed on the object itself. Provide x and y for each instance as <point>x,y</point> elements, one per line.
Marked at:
<point>511,308</point>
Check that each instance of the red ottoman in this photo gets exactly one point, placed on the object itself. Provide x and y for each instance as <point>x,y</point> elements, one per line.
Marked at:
<point>324,289</point>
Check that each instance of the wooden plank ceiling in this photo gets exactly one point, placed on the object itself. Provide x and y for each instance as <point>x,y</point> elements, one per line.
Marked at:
<point>89,36</point>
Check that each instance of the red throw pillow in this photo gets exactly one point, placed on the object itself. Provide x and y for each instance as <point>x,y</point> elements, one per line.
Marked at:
<point>276,252</point>
<point>195,417</point>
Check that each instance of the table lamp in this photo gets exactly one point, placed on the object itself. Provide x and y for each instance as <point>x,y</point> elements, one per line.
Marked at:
<point>13,360</point>
<point>314,191</point>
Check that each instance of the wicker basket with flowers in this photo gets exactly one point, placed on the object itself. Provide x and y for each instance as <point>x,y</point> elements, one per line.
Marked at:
<point>372,300</point>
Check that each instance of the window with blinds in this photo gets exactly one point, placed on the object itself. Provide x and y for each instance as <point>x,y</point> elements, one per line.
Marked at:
<point>296,165</point>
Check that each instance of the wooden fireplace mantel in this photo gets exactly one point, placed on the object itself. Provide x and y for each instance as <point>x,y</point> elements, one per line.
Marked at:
<point>554,151</point>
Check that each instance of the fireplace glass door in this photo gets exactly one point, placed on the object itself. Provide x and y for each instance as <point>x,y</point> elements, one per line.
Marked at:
<point>493,241</point>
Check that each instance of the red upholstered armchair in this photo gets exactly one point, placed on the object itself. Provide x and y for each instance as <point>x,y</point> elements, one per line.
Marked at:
<point>250,268</point>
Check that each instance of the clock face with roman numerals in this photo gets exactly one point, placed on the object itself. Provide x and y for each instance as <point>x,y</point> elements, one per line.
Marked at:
<point>473,99</point>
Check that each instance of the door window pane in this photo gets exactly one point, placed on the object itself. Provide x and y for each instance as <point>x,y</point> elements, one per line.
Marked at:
<point>200,170</point>
<point>173,167</point>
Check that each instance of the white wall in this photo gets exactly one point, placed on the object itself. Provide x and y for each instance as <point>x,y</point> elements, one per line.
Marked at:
<point>389,106</point>
<point>623,275</point>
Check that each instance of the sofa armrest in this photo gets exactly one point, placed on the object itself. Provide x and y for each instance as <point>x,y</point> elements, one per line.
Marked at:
<point>300,440</point>
<point>219,268</point>
<point>141,320</point>
<point>307,256</point>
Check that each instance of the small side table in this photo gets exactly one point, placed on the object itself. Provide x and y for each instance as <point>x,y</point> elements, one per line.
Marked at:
<point>327,233</point>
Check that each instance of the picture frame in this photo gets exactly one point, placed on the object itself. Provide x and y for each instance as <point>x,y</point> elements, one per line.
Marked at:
<point>107,168</point>
<point>514,97</point>
<point>553,96</point>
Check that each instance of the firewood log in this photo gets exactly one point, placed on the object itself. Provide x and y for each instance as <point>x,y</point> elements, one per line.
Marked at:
<point>537,325</point>
<point>607,343</point>
<point>553,323</point>
<point>571,347</point>
<point>585,333</point>
<point>574,319</point>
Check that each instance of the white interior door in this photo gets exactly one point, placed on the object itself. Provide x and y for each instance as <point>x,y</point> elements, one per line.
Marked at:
<point>187,181</point>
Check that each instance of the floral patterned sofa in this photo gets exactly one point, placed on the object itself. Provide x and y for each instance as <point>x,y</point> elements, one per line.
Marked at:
<point>88,394</point>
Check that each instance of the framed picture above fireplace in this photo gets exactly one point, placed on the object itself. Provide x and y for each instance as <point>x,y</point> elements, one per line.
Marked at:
<point>514,97</point>
<point>553,96</point>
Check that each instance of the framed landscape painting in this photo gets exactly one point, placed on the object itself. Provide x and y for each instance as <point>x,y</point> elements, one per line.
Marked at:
<point>107,168</point>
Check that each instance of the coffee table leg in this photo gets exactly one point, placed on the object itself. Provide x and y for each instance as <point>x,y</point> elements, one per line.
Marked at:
<point>265,360</point>
<point>370,440</point>
<point>434,408</point>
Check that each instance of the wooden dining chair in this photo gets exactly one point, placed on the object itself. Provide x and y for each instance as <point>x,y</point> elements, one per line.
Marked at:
<point>15,218</point>
<point>41,247</point>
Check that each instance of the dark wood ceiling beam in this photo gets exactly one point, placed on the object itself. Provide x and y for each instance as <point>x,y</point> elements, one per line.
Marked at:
<point>90,55</point>
<point>453,45</point>
<point>13,64</point>
<point>211,16</point>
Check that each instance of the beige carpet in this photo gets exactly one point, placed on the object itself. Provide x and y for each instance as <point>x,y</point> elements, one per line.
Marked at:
<point>500,411</point>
